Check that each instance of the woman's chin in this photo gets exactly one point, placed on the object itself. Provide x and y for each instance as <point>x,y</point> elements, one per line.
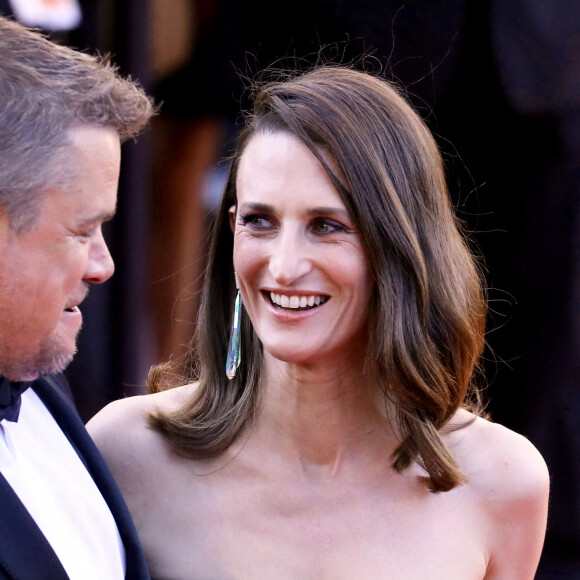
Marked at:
<point>290,355</point>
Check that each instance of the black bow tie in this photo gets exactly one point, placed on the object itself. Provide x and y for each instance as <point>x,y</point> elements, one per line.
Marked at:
<point>10,398</point>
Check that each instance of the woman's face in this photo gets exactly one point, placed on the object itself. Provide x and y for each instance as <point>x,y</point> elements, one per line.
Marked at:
<point>299,260</point>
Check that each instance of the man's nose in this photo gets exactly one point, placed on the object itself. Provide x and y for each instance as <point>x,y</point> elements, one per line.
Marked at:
<point>100,265</point>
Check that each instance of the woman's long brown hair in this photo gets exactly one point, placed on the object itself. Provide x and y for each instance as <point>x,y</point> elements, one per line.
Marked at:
<point>427,312</point>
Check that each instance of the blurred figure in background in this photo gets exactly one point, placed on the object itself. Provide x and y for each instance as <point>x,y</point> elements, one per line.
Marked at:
<point>187,145</point>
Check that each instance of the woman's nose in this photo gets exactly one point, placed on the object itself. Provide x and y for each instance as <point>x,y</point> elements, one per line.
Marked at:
<point>290,257</point>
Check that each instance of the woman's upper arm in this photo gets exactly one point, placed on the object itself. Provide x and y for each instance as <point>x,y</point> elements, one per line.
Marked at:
<point>517,503</point>
<point>119,431</point>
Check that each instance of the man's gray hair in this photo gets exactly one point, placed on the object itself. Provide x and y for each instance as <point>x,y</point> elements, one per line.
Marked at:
<point>45,90</point>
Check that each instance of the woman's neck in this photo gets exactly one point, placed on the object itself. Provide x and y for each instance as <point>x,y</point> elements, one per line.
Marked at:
<point>322,415</point>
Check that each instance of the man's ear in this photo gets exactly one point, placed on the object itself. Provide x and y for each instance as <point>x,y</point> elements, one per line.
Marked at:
<point>233,212</point>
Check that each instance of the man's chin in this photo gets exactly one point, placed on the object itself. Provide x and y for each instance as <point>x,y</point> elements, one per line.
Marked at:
<point>48,361</point>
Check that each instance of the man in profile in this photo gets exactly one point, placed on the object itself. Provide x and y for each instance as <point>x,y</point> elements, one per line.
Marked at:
<point>63,115</point>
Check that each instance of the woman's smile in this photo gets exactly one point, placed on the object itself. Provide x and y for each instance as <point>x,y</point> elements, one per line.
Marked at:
<point>294,301</point>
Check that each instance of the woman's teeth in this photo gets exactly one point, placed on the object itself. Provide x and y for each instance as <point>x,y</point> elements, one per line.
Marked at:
<point>285,301</point>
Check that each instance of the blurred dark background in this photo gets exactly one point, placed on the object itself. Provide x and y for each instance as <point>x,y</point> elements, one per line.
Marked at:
<point>499,85</point>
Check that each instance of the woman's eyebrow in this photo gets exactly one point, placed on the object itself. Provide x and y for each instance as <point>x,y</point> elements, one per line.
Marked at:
<point>326,210</point>
<point>256,207</point>
<point>311,210</point>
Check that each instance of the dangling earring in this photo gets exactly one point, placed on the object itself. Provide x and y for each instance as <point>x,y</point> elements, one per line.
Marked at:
<point>234,354</point>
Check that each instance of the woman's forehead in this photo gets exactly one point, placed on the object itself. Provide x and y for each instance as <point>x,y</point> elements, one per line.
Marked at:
<point>280,166</point>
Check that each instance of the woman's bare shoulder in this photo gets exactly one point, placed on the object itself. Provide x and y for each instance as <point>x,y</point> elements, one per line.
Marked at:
<point>508,480</point>
<point>496,460</point>
<point>131,412</point>
<point>121,430</point>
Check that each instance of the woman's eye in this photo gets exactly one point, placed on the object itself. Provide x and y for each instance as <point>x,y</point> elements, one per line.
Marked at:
<point>258,222</point>
<point>326,226</point>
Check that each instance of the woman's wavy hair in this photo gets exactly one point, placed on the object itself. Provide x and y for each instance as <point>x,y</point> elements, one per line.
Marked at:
<point>427,311</point>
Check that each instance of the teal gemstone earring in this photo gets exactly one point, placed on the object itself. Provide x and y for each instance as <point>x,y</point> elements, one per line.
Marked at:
<point>234,354</point>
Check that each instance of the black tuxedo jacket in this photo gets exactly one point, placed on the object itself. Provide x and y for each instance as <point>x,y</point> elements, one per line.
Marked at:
<point>25,554</point>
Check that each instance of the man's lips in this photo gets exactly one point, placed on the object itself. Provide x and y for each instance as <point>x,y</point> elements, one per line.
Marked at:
<point>73,305</point>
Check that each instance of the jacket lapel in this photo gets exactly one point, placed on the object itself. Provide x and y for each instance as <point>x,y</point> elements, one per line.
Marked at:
<point>24,551</point>
<point>56,397</point>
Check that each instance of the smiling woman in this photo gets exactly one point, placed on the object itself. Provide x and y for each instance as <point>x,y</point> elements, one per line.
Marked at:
<point>354,403</point>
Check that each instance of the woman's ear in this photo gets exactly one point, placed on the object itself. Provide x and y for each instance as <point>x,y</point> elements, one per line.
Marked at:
<point>233,212</point>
